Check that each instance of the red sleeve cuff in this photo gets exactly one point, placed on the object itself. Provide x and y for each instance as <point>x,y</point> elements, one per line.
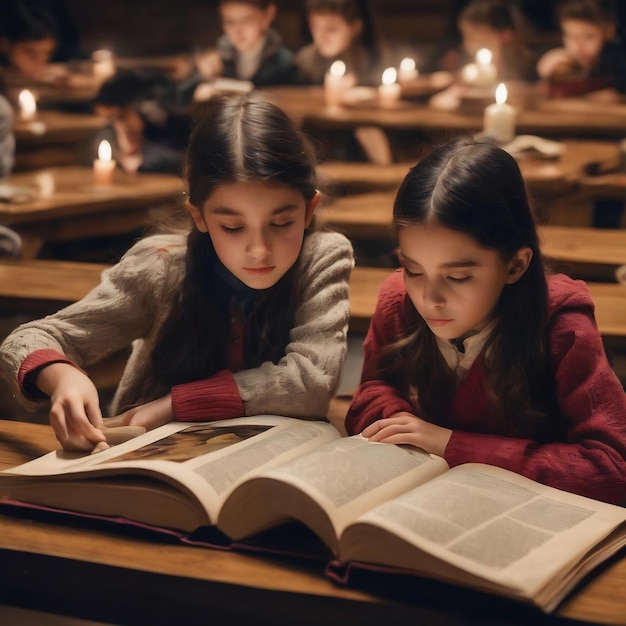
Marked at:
<point>31,366</point>
<point>213,398</point>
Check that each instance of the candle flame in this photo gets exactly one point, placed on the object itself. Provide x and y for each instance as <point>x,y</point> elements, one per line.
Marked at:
<point>27,102</point>
<point>389,76</point>
<point>470,72</point>
<point>484,56</point>
<point>407,64</point>
<point>338,68</point>
<point>501,93</point>
<point>104,150</point>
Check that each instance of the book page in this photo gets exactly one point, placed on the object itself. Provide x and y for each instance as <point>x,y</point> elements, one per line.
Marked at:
<point>206,459</point>
<point>329,487</point>
<point>490,522</point>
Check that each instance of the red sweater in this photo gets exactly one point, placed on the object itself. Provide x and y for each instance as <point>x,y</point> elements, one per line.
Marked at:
<point>591,457</point>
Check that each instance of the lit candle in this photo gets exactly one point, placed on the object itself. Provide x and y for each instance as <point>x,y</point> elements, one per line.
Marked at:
<point>407,70</point>
<point>28,105</point>
<point>104,165</point>
<point>103,64</point>
<point>486,71</point>
<point>389,90</point>
<point>499,120</point>
<point>469,74</point>
<point>336,83</point>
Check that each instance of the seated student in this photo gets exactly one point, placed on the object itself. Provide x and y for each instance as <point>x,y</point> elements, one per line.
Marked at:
<point>28,39</point>
<point>475,353</point>
<point>491,24</point>
<point>244,314</point>
<point>10,241</point>
<point>249,50</point>
<point>592,58</point>
<point>146,130</point>
<point>341,30</point>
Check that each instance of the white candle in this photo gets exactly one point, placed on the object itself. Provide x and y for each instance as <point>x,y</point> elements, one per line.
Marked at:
<point>28,105</point>
<point>103,64</point>
<point>407,71</point>
<point>486,71</point>
<point>389,90</point>
<point>499,120</point>
<point>104,165</point>
<point>336,83</point>
<point>469,74</point>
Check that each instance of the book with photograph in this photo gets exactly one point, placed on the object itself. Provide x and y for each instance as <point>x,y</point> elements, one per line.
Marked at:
<point>373,506</point>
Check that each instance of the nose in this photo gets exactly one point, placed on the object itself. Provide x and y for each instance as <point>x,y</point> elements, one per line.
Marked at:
<point>433,295</point>
<point>258,245</point>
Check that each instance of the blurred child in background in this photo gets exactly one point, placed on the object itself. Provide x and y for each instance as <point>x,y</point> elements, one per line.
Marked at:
<point>491,24</point>
<point>249,50</point>
<point>146,130</point>
<point>341,30</point>
<point>592,59</point>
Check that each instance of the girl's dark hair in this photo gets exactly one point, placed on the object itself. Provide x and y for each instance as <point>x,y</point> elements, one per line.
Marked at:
<point>593,11</point>
<point>477,188</point>
<point>240,138</point>
<point>493,13</point>
<point>259,4</point>
<point>27,21</point>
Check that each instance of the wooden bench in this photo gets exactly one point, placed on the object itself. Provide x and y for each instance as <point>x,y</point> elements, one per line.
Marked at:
<point>365,282</point>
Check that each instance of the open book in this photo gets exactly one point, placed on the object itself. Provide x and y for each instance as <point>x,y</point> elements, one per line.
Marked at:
<point>373,505</point>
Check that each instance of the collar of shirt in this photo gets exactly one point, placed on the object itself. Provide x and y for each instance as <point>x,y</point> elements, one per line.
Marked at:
<point>461,361</point>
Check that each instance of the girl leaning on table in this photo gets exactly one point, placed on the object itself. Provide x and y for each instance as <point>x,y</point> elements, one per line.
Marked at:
<point>475,353</point>
<point>245,314</point>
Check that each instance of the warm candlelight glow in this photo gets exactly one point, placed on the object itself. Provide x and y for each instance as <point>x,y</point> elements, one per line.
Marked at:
<point>338,68</point>
<point>104,151</point>
<point>103,64</point>
<point>104,165</point>
<point>407,64</point>
<point>469,73</point>
<point>484,56</point>
<point>501,93</point>
<point>389,91</point>
<point>390,76</point>
<point>28,105</point>
<point>336,83</point>
<point>499,120</point>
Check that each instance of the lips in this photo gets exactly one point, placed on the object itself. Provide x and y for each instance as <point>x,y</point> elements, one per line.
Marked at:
<point>437,322</point>
<point>258,271</point>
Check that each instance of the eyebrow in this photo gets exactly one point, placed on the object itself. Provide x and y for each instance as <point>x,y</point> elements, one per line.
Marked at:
<point>224,210</point>
<point>461,263</point>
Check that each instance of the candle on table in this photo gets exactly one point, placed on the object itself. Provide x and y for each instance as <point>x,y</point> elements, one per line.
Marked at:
<point>407,71</point>
<point>336,82</point>
<point>389,90</point>
<point>486,71</point>
<point>104,165</point>
<point>28,105</point>
<point>499,120</point>
<point>103,64</point>
<point>469,74</point>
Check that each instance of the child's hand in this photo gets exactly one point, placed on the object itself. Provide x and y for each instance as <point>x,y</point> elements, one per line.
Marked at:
<point>209,64</point>
<point>407,428</point>
<point>149,415</point>
<point>75,413</point>
<point>557,62</point>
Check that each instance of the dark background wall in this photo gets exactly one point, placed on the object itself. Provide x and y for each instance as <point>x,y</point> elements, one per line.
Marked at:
<point>151,27</point>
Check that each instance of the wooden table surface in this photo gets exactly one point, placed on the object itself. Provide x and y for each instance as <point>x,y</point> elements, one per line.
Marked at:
<point>554,118</point>
<point>98,574</point>
<point>67,204</point>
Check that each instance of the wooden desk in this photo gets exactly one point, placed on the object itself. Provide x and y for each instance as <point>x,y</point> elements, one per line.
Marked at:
<point>53,139</point>
<point>94,573</point>
<point>550,118</point>
<point>546,179</point>
<point>68,206</point>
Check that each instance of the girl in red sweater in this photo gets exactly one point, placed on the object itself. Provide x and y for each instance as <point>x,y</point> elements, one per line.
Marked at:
<point>475,353</point>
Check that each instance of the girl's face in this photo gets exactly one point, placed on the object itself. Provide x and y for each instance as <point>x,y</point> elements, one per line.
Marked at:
<point>256,228</point>
<point>245,25</point>
<point>584,40</point>
<point>452,281</point>
<point>30,58</point>
<point>332,34</point>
